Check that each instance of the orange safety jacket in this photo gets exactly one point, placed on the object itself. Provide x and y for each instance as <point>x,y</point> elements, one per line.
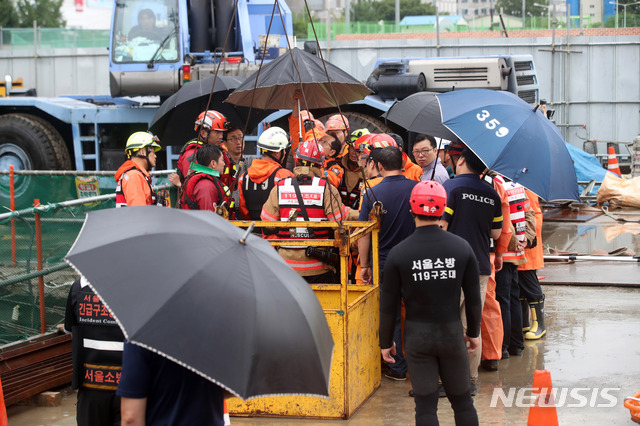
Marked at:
<point>411,170</point>
<point>518,208</point>
<point>535,259</point>
<point>133,189</point>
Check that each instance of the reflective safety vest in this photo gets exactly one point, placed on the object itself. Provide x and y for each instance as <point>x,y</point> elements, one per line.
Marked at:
<point>518,205</point>
<point>350,198</point>
<point>97,339</point>
<point>187,154</point>
<point>256,194</point>
<point>312,190</point>
<point>121,200</point>
<point>187,198</point>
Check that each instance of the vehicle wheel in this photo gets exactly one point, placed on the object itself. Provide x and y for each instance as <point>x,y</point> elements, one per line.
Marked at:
<point>55,140</point>
<point>358,120</point>
<point>25,144</point>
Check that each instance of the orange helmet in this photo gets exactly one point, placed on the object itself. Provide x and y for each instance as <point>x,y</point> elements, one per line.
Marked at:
<point>319,125</point>
<point>306,115</point>
<point>337,122</point>
<point>428,198</point>
<point>310,151</point>
<point>212,120</point>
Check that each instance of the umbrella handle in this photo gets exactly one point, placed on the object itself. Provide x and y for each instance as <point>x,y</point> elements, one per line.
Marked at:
<point>299,121</point>
<point>243,240</point>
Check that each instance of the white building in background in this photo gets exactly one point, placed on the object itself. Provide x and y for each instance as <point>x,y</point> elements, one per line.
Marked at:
<point>87,14</point>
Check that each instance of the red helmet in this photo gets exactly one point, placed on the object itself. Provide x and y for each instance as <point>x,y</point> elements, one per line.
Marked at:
<point>455,148</point>
<point>362,142</point>
<point>337,122</point>
<point>382,140</point>
<point>311,151</point>
<point>212,120</point>
<point>428,198</point>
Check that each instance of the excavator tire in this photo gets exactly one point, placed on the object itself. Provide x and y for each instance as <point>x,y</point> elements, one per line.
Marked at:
<point>63,158</point>
<point>25,144</point>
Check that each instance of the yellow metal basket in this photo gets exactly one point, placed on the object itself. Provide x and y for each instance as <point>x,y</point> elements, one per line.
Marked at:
<point>633,404</point>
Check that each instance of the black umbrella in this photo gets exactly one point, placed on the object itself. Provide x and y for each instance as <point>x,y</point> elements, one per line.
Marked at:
<point>420,113</point>
<point>278,80</point>
<point>184,284</point>
<point>174,120</point>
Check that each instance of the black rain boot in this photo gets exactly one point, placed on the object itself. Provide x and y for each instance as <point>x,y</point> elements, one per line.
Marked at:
<point>526,325</point>
<point>537,329</point>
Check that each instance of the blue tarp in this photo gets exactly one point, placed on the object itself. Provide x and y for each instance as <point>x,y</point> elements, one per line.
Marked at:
<point>587,166</point>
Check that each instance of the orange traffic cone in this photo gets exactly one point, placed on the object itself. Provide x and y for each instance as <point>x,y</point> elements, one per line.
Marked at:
<point>543,412</point>
<point>612,162</point>
<point>227,419</point>
<point>3,409</point>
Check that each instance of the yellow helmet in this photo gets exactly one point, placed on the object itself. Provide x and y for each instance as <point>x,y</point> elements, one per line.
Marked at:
<point>139,140</point>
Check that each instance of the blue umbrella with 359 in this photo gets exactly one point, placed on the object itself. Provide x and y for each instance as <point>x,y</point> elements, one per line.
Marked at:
<point>512,138</point>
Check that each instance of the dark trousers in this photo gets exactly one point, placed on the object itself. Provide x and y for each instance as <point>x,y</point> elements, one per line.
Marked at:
<point>508,295</point>
<point>97,408</point>
<point>439,350</point>
<point>530,286</point>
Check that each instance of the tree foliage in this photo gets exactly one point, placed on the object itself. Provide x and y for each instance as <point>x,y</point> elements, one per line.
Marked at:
<point>373,10</point>
<point>8,15</point>
<point>46,13</point>
<point>514,7</point>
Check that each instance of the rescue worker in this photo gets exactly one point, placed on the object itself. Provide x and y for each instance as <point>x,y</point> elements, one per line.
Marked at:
<point>305,197</point>
<point>203,189</point>
<point>256,183</point>
<point>530,290</point>
<point>133,183</point>
<point>491,329</point>
<point>211,127</point>
<point>233,145</point>
<point>507,287</point>
<point>428,270</point>
<point>332,164</point>
<point>338,126</point>
<point>97,356</point>
<point>308,124</point>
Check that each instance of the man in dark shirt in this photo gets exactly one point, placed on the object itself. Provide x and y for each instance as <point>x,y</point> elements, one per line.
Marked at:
<point>396,224</point>
<point>428,270</point>
<point>474,213</point>
<point>157,391</point>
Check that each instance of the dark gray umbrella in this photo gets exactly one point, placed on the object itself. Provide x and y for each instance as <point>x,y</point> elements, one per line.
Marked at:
<point>278,80</point>
<point>174,120</point>
<point>182,283</point>
<point>420,113</point>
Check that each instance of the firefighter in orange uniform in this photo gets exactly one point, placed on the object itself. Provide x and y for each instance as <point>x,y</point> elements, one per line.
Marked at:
<point>306,197</point>
<point>133,183</point>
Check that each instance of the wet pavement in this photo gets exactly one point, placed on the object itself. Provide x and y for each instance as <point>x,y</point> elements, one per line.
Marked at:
<point>591,345</point>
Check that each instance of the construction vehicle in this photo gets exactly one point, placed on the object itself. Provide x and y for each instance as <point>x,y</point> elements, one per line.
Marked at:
<point>394,79</point>
<point>185,42</point>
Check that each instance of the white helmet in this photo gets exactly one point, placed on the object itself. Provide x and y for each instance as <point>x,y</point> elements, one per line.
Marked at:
<point>273,139</point>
